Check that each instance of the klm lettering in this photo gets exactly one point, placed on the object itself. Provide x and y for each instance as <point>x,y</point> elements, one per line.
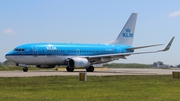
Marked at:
<point>127,34</point>
<point>51,48</point>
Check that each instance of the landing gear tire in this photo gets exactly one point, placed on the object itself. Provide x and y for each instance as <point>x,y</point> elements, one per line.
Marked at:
<point>25,69</point>
<point>90,69</point>
<point>69,69</point>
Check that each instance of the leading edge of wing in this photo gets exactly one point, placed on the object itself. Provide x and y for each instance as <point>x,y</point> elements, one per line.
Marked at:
<point>127,54</point>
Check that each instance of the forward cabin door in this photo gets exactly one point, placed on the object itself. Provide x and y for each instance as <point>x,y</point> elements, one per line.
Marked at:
<point>35,51</point>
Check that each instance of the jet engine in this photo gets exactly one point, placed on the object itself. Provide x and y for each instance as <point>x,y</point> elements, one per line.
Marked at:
<point>78,63</point>
<point>45,66</point>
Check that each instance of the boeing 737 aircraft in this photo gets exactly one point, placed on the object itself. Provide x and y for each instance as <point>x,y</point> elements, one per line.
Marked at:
<point>48,55</point>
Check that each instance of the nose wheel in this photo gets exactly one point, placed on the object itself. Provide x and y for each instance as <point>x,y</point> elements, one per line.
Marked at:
<point>25,69</point>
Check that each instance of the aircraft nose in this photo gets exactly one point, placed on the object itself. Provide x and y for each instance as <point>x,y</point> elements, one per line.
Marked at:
<point>12,57</point>
<point>7,56</point>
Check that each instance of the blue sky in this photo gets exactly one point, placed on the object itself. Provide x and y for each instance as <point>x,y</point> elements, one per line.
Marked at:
<point>91,21</point>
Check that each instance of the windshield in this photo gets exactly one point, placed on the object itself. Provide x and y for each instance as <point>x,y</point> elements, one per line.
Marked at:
<point>19,49</point>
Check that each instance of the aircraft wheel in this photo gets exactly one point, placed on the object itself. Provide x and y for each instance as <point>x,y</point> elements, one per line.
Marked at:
<point>25,69</point>
<point>90,69</point>
<point>69,69</point>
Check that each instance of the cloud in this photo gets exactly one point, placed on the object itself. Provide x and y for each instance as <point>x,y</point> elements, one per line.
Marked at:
<point>175,14</point>
<point>9,31</point>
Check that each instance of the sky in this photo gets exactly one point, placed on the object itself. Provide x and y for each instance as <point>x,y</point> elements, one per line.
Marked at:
<point>92,21</point>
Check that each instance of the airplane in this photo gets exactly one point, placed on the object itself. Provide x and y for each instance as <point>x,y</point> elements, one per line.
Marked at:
<point>75,56</point>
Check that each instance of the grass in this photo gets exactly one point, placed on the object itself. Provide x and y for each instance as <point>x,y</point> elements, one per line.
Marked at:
<point>96,88</point>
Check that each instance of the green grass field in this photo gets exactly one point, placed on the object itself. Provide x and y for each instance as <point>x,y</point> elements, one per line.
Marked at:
<point>96,88</point>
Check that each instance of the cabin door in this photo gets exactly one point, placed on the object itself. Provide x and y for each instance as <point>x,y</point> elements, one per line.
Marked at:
<point>35,51</point>
<point>77,51</point>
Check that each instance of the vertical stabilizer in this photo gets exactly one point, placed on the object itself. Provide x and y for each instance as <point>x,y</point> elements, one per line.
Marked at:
<point>126,35</point>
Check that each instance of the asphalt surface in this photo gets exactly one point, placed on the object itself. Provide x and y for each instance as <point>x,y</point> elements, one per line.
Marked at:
<point>103,72</point>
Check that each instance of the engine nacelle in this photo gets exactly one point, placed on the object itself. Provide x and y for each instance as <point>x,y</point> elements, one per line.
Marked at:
<point>79,63</point>
<point>45,66</point>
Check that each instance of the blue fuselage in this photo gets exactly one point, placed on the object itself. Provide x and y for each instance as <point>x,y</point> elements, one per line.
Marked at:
<point>57,52</point>
<point>67,49</point>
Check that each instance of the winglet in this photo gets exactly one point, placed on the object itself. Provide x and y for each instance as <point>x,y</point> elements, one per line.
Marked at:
<point>168,46</point>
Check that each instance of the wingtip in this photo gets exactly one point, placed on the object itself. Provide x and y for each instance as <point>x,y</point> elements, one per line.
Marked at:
<point>169,45</point>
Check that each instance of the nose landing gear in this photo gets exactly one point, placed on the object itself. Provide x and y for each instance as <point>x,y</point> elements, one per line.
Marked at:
<point>25,69</point>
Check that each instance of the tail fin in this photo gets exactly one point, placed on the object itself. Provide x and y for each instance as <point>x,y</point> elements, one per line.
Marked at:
<point>126,35</point>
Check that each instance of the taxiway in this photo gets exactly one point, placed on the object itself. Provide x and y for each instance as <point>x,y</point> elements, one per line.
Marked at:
<point>106,72</point>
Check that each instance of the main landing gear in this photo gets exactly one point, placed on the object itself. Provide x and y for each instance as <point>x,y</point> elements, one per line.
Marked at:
<point>25,69</point>
<point>69,69</point>
<point>90,69</point>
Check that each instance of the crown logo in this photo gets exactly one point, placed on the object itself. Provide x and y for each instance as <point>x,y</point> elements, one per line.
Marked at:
<point>81,62</point>
<point>128,30</point>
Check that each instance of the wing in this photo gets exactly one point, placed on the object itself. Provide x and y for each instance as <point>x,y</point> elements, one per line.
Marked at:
<point>143,47</point>
<point>110,57</point>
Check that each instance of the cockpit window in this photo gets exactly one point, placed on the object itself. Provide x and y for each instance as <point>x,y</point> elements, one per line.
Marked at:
<point>15,49</point>
<point>19,49</point>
